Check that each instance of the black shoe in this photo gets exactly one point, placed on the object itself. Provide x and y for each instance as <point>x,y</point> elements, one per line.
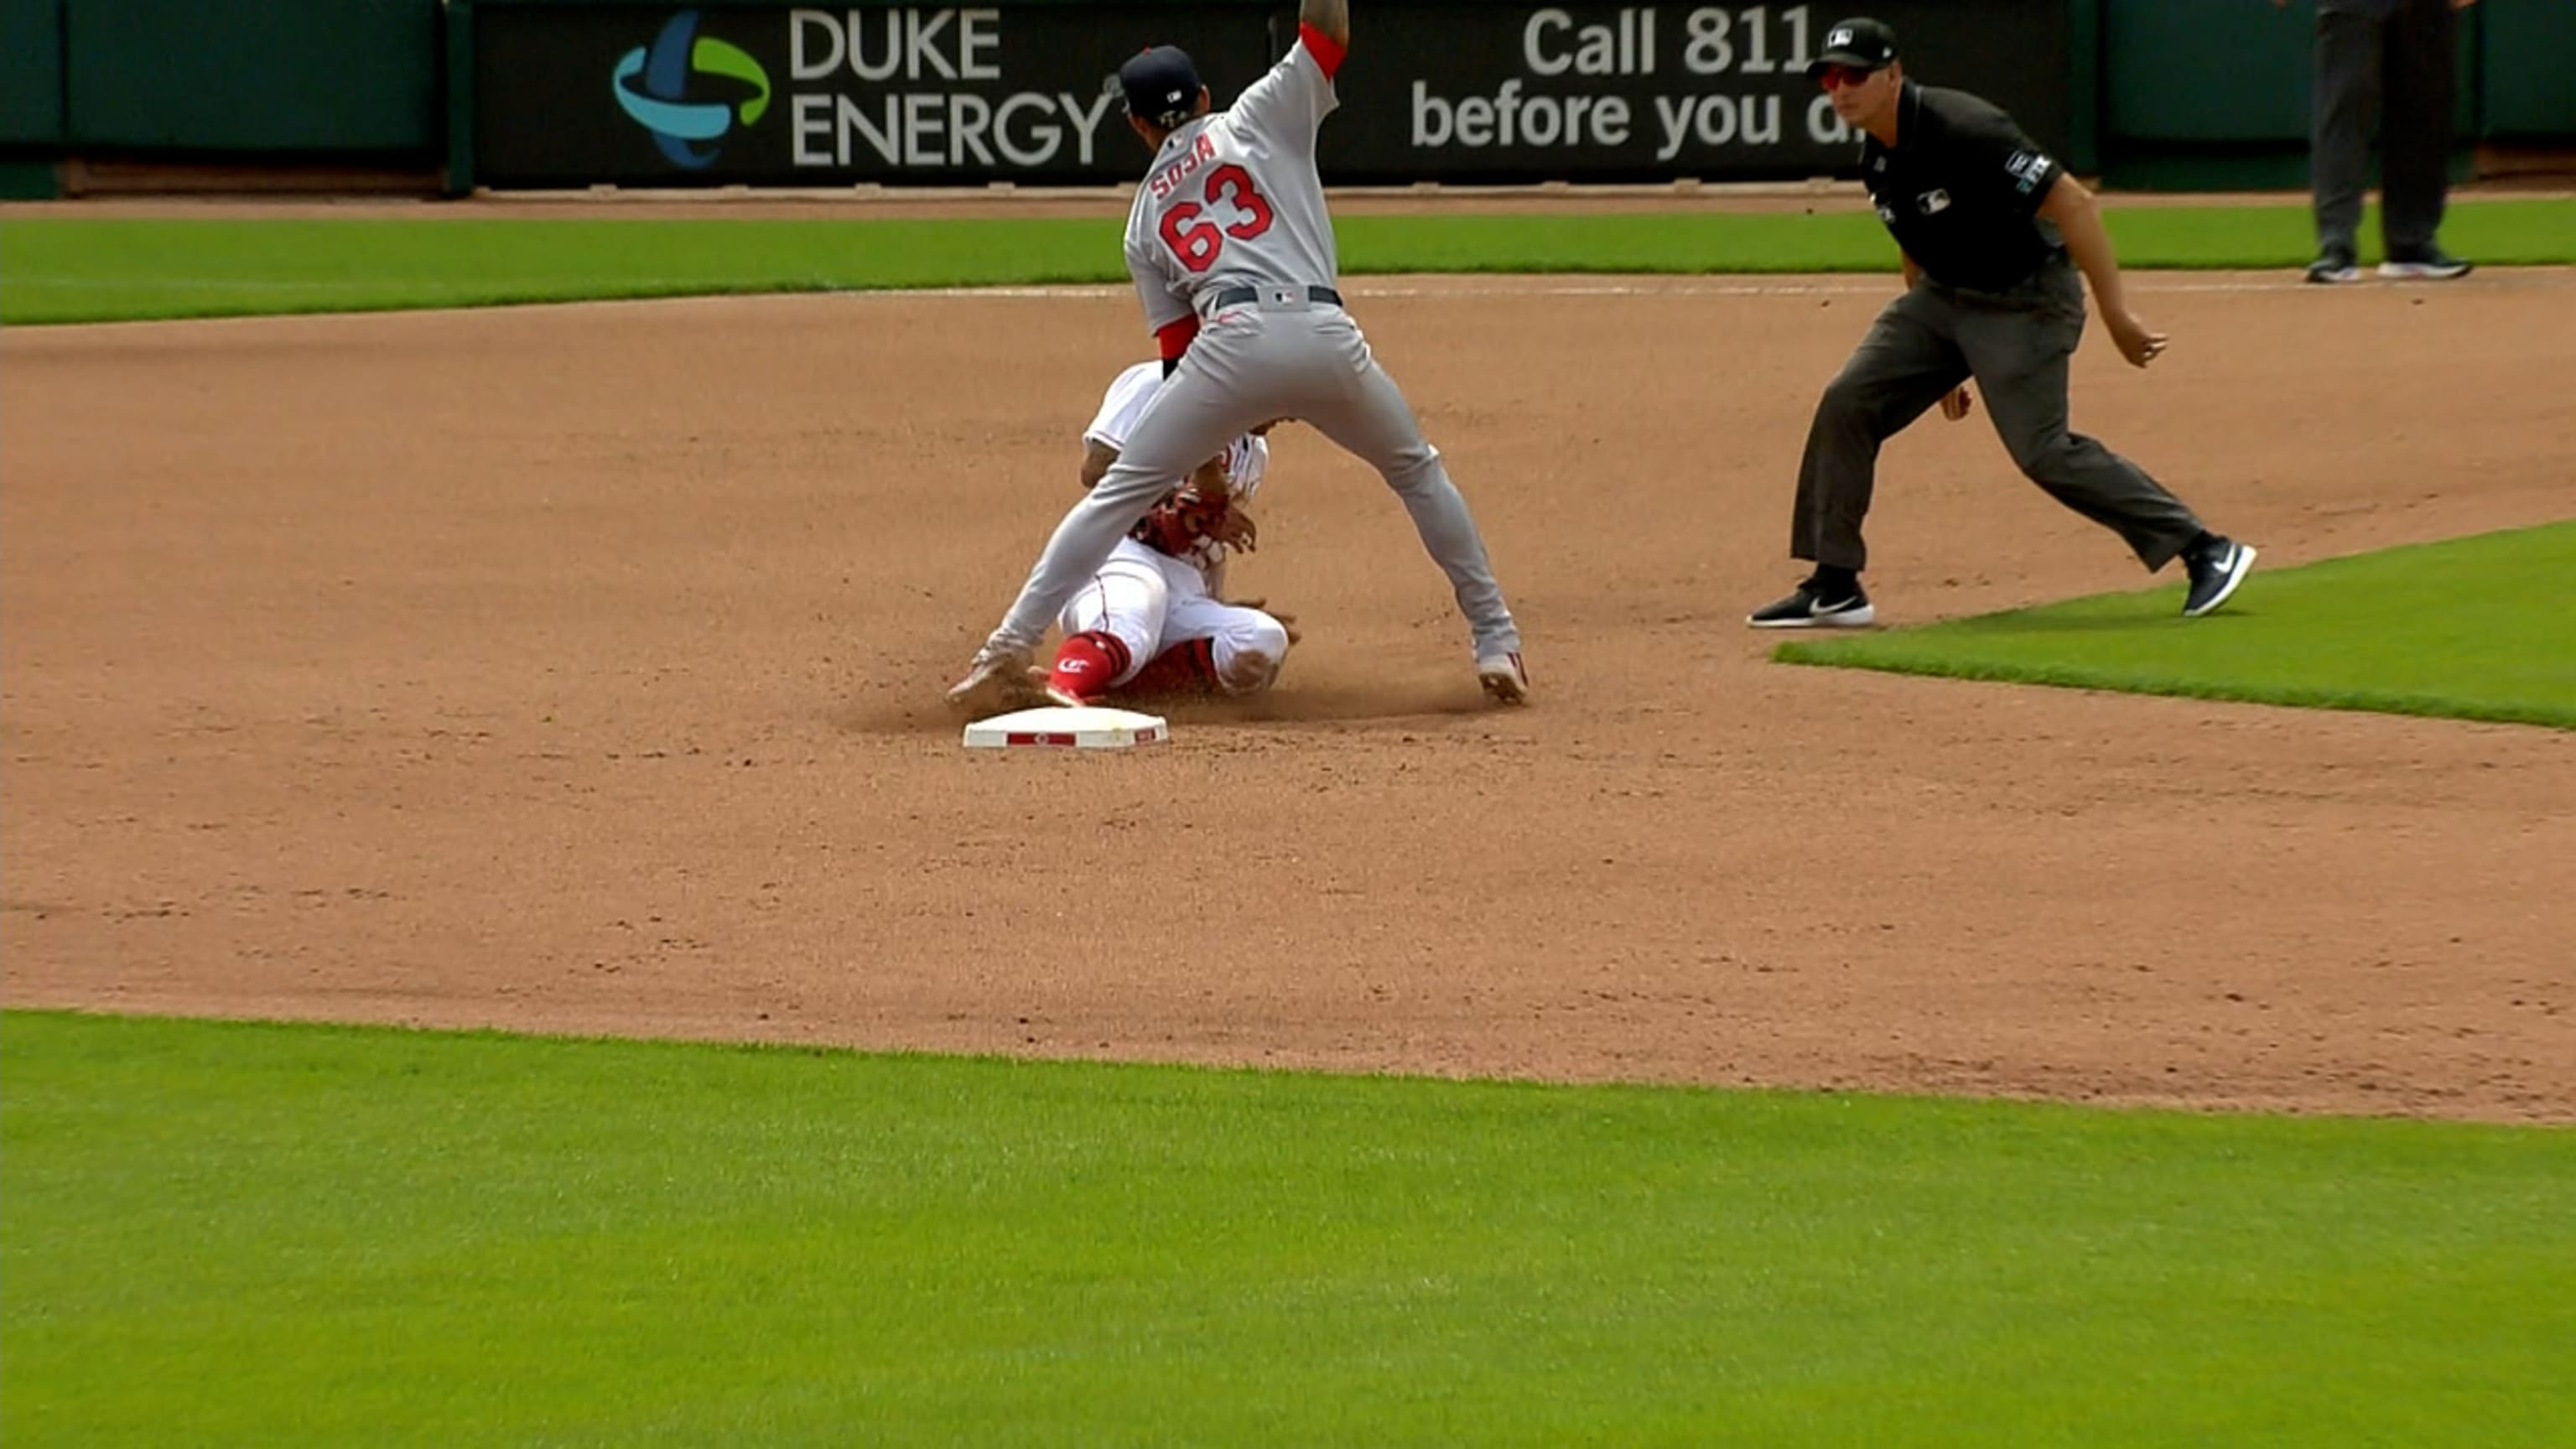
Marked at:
<point>2216,568</point>
<point>2334,265</point>
<point>2425,266</point>
<point>1847,608</point>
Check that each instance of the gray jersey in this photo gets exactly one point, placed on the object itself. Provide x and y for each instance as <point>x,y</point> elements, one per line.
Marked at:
<point>1232,198</point>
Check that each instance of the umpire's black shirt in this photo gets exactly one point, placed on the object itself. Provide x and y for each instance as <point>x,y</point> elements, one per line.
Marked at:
<point>1961,190</point>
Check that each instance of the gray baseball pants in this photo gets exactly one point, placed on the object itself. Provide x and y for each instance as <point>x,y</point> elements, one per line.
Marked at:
<point>1252,364</point>
<point>2390,61</point>
<point>2015,345</point>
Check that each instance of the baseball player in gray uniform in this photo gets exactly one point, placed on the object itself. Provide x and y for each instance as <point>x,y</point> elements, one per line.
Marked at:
<point>1233,257</point>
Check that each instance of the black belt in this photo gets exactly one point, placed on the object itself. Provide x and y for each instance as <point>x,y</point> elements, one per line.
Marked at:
<point>1237,296</point>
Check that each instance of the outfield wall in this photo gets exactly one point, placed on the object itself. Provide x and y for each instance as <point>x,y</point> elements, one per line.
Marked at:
<point>524,93</point>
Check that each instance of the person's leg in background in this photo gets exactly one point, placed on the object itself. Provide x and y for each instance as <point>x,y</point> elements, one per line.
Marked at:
<point>2422,88</point>
<point>2349,36</point>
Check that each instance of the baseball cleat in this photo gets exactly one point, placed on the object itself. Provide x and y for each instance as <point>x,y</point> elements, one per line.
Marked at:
<point>1807,609</point>
<point>1504,678</point>
<point>996,683</point>
<point>2334,267</point>
<point>2216,568</point>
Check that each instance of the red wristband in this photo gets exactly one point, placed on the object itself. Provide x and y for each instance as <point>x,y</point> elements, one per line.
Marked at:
<point>1327,51</point>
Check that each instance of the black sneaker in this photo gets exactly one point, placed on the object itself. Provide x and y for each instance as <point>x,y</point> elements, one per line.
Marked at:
<point>1807,609</point>
<point>2216,568</point>
<point>2431,266</point>
<point>2334,265</point>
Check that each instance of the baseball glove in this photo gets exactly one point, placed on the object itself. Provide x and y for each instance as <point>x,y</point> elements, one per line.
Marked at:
<point>1185,517</point>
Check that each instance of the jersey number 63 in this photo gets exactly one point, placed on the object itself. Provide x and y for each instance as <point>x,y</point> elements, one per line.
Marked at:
<point>1196,238</point>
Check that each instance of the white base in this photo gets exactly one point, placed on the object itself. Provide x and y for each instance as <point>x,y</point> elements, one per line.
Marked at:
<point>1088,727</point>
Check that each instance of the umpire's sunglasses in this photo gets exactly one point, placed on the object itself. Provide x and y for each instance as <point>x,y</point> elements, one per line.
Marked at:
<point>1835,77</point>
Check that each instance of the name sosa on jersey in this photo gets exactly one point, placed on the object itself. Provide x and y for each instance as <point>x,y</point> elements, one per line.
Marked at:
<point>1167,180</point>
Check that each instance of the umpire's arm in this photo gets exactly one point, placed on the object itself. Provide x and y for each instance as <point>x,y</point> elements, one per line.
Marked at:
<point>2078,220</point>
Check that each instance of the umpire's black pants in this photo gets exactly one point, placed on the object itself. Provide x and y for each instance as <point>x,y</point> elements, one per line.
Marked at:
<point>2390,61</point>
<point>2016,345</point>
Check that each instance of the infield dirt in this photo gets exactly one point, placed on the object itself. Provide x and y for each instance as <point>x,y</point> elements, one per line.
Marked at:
<point>578,669</point>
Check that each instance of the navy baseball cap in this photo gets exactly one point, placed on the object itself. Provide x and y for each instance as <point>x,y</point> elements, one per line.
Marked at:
<point>1161,85</point>
<point>1860,42</point>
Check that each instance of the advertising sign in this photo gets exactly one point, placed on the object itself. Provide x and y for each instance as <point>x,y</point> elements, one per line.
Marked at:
<point>730,95</point>
<point>1465,92</point>
<point>573,95</point>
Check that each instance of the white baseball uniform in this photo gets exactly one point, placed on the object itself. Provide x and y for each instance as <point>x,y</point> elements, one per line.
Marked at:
<point>1151,601</point>
<point>1229,236</point>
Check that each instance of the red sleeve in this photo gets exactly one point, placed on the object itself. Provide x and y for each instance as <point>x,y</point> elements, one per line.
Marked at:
<point>1327,51</point>
<point>1176,337</point>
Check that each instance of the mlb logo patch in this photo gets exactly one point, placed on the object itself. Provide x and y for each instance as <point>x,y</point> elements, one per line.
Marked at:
<point>1933,202</point>
<point>1838,38</point>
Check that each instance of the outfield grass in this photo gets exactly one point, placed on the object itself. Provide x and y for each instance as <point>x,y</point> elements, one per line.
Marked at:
<point>68,268</point>
<point>2479,628</point>
<point>261,1235</point>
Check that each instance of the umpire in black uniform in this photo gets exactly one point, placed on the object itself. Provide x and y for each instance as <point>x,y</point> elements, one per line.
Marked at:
<point>1986,220</point>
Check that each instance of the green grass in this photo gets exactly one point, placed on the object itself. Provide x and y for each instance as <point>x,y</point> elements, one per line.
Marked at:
<point>73,269</point>
<point>2475,628</point>
<point>229,1234</point>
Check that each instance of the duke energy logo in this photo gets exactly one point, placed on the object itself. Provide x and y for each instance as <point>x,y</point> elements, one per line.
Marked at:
<point>653,83</point>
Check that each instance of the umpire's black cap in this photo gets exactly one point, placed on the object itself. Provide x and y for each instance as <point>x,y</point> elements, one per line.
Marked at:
<point>1860,42</point>
<point>1161,85</point>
